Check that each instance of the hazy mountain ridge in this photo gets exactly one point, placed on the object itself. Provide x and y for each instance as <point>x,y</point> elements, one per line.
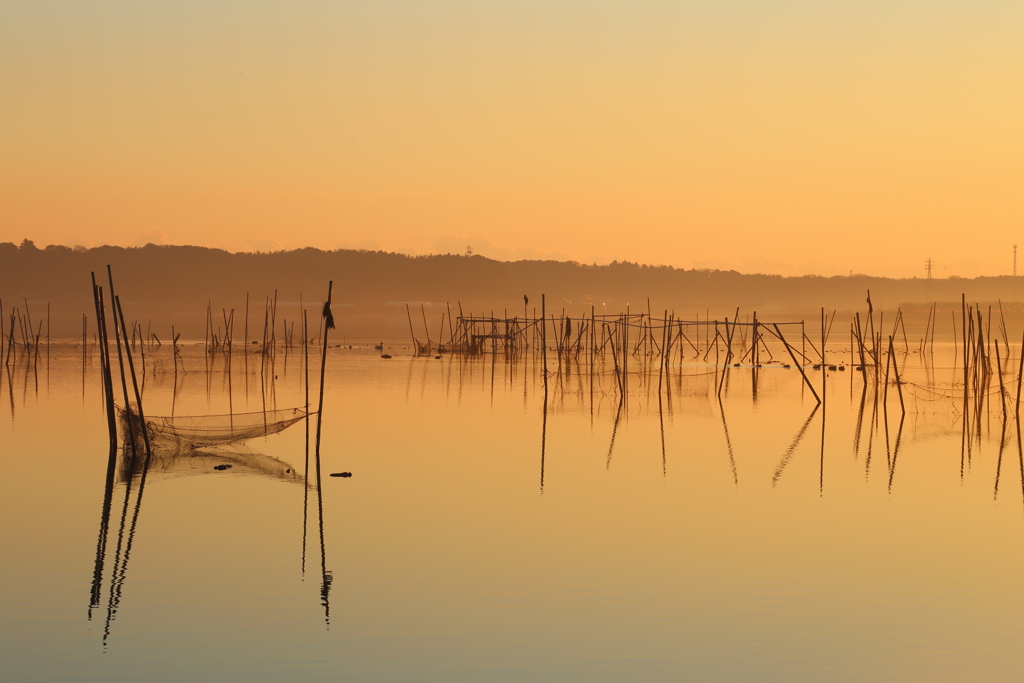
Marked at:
<point>172,284</point>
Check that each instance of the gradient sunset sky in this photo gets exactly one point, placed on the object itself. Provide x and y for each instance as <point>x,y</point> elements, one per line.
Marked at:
<point>787,137</point>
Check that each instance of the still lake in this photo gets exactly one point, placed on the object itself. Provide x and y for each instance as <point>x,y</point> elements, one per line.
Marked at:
<point>672,537</point>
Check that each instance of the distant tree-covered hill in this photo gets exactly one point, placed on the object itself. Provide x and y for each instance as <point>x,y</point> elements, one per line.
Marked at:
<point>173,284</point>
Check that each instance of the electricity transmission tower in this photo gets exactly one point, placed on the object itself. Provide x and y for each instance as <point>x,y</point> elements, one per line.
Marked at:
<point>929,265</point>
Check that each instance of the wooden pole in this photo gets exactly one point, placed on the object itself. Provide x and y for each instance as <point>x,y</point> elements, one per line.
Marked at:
<point>544,335</point>
<point>130,420</point>
<point>412,334</point>
<point>963,324</point>
<point>1020,376</point>
<point>896,372</point>
<point>1002,389</point>
<point>135,385</point>
<point>328,324</point>
<point>426,329</point>
<point>101,338</point>
<point>305,473</point>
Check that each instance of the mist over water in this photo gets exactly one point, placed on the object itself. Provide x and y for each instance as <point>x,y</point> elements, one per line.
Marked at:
<point>669,535</point>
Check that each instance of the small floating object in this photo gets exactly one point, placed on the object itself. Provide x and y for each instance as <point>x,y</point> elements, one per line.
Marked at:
<point>842,368</point>
<point>831,367</point>
<point>346,475</point>
<point>786,366</point>
<point>860,368</point>
<point>817,367</point>
<point>385,355</point>
<point>735,365</point>
<point>222,467</point>
<point>437,357</point>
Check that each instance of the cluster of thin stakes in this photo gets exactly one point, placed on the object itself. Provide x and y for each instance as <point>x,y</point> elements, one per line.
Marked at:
<point>662,351</point>
<point>592,356</point>
<point>148,442</point>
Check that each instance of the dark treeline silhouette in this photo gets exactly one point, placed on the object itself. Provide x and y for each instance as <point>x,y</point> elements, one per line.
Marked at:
<point>172,285</point>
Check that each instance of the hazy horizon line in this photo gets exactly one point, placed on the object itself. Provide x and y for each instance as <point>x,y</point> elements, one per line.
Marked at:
<point>414,254</point>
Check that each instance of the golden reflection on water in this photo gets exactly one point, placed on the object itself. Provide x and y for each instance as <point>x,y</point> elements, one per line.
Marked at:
<point>500,527</point>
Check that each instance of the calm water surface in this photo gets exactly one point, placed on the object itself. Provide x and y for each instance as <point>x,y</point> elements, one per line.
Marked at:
<point>673,539</point>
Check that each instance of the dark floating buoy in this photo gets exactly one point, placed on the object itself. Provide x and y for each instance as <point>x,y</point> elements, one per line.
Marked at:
<point>842,368</point>
<point>735,365</point>
<point>385,355</point>
<point>831,367</point>
<point>222,467</point>
<point>346,475</point>
<point>437,357</point>
<point>817,367</point>
<point>786,366</point>
<point>860,368</point>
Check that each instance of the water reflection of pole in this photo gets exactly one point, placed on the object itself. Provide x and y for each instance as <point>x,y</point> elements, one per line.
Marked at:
<point>129,465</point>
<point>821,457</point>
<point>661,421</point>
<point>325,576</point>
<point>896,449</point>
<point>885,423</point>
<point>1020,460</point>
<point>872,427</point>
<point>10,391</point>
<point>999,461</point>
<point>965,437</point>
<point>728,443</point>
<point>858,430</point>
<point>615,429</point>
<point>101,539</point>
<point>792,446</point>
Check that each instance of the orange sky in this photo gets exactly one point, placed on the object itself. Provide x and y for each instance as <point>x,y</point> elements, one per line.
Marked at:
<point>785,137</point>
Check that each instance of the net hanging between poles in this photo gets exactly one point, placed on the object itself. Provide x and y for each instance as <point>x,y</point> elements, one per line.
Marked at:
<point>204,431</point>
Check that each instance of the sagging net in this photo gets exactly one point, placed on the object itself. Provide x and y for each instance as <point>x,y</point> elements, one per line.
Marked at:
<point>204,431</point>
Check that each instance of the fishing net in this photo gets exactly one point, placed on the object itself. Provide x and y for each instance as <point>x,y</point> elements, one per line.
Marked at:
<point>204,431</point>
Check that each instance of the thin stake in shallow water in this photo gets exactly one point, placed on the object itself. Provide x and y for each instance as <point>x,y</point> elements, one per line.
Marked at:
<point>305,473</point>
<point>326,578</point>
